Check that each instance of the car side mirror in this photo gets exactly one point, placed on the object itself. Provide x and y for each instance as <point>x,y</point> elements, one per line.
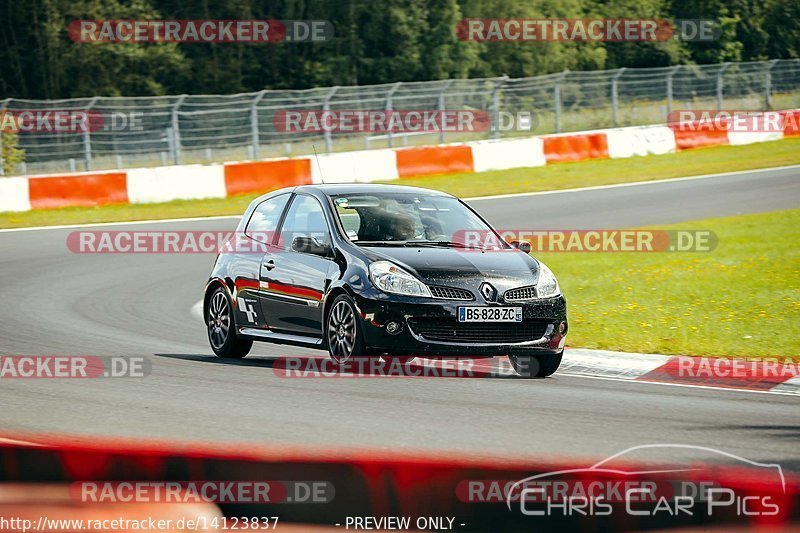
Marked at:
<point>525,246</point>
<point>310,245</point>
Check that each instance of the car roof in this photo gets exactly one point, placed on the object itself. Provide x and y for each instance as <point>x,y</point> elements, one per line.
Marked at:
<point>333,189</point>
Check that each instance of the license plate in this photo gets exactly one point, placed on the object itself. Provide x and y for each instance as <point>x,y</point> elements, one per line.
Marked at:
<point>489,314</point>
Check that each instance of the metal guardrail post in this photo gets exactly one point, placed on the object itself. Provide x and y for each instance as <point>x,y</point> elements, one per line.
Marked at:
<point>2,110</point>
<point>720,98</point>
<point>615,96</point>
<point>87,140</point>
<point>557,100</point>
<point>768,84</point>
<point>175,131</point>
<point>669,88</point>
<point>326,106</point>
<point>254,122</point>
<point>389,108</point>
<point>498,84</point>
<point>442,106</point>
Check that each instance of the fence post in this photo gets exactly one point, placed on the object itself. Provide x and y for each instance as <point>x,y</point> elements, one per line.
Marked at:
<point>447,85</point>
<point>326,106</point>
<point>768,85</point>
<point>671,73</point>
<point>254,122</point>
<point>2,111</point>
<point>557,100</point>
<point>498,83</point>
<point>87,140</point>
<point>389,108</point>
<point>719,85</point>
<point>176,132</point>
<point>615,96</point>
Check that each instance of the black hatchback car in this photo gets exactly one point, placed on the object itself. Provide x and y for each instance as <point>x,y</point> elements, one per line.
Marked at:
<point>382,270</point>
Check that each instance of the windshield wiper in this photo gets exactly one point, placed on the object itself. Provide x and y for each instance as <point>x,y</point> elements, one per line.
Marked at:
<point>442,244</point>
<point>411,244</point>
<point>380,243</point>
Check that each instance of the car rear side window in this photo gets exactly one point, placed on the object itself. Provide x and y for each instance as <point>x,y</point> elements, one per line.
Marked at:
<point>265,218</point>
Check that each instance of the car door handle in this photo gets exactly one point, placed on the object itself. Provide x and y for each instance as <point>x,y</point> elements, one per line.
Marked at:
<point>269,265</point>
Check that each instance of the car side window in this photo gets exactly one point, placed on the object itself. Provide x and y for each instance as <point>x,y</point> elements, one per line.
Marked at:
<point>264,220</point>
<point>304,219</point>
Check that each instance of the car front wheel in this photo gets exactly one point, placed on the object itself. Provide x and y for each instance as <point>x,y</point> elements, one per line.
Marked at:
<point>535,366</point>
<point>222,328</point>
<point>343,334</point>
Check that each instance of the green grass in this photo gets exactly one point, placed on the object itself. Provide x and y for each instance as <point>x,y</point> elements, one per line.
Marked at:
<point>559,176</point>
<point>742,299</point>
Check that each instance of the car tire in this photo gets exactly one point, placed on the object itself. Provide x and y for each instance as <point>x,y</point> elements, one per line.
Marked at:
<point>221,327</point>
<point>535,366</point>
<point>343,335</point>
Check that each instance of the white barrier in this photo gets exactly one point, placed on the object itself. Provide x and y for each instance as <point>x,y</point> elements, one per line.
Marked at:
<point>361,166</point>
<point>640,140</point>
<point>510,153</point>
<point>180,182</point>
<point>750,137</point>
<point>14,194</point>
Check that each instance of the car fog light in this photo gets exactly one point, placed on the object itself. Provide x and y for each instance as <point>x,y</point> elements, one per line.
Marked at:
<point>393,328</point>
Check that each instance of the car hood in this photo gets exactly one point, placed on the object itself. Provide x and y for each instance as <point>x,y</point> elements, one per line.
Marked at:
<point>437,265</point>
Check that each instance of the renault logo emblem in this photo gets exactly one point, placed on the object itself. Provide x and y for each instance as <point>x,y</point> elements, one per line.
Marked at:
<point>488,292</point>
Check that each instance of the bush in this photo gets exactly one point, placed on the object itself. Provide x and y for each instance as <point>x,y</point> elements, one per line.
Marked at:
<point>11,154</point>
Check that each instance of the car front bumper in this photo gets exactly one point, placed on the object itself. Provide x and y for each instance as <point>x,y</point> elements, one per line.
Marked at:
<point>545,319</point>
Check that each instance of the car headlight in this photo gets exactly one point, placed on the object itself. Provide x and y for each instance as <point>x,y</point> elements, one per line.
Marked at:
<point>389,277</point>
<point>547,286</point>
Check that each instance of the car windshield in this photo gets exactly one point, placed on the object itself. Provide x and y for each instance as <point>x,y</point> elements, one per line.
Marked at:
<point>411,219</point>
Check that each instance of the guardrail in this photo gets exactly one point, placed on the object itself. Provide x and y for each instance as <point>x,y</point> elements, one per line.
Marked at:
<point>185,129</point>
<point>190,182</point>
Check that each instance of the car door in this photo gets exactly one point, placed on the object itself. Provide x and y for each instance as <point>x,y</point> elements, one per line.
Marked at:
<point>246,262</point>
<point>295,277</point>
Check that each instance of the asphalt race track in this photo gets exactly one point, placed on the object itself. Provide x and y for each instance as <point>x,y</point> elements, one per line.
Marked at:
<point>57,302</point>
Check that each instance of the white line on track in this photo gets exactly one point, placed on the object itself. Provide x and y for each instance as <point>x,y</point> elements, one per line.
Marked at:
<point>631,184</point>
<point>473,199</point>
<point>129,223</point>
<point>667,383</point>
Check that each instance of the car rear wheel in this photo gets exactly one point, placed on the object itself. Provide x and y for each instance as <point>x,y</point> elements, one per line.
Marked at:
<point>343,332</point>
<point>535,366</point>
<point>222,328</point>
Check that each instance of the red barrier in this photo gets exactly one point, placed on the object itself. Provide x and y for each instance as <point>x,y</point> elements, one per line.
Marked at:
<point>565,148</point>
<point>265,176</point>
<point>78,190</point>
<point>791,123</point>
<point>705,135</point>
<point>382,483</point>
<point>434,160</point>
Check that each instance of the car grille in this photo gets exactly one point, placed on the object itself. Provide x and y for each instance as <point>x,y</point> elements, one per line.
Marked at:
<point>450,293</point>
<point>451,330</point>
<point>522,293</point>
